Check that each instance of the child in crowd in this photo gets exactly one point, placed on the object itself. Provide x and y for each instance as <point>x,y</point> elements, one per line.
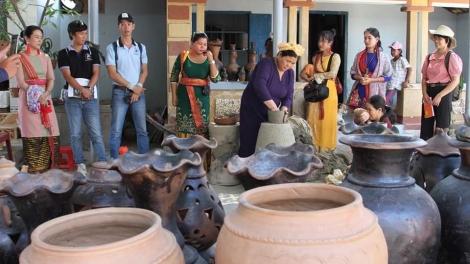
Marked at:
<point>376,111</point>
<point>401,74</point>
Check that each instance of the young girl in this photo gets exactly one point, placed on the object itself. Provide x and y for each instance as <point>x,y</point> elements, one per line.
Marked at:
<point>401,74</point>
<point>375,111</point>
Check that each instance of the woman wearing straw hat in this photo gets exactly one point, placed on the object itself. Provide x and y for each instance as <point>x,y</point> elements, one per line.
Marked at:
<point>439,80</point>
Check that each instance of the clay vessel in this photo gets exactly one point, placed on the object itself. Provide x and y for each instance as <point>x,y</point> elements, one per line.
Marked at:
<point>407,214</point>
<point>277,117</point>
<point>435,161</point>
<point>42,197</point>
<point>155,181</point>
<point>104,188</point>
<point>200,214</point>
<point>374,128</point>
<point>266,167</point>
<point>452,197</point>
<point>215,46</point>
<point>105,236</point>
<point>232,66</point>
<point>250,66</point>
<point>281,150</point>
<point>223,75</point>
<point>241,74</point>
<point>301,223</point>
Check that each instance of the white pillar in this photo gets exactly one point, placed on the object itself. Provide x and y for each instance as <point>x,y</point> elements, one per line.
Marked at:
<point>467,80</point>
<point>93,21</point>
<point>277,24</point>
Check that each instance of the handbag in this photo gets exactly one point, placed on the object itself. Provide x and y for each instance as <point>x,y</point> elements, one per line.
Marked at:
<point>339,86</point>
<point>315,92</point>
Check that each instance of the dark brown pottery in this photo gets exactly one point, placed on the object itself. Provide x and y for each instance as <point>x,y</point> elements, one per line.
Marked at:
<point>13,235</point>
<point>434,162</point>
<point>223,75</point>
<point>154,181</point>
<point>232,66</point>
<point>42,197</point>
<point>373,128</point>
<point>200,212</point>
<point>304,148</point>
<point>407,214</point>
<point>266,167</point>
<point>452,196</point>
<point>241,74</point>
<point>215,46</point>
<point>250,66</point>
<point>104,188</point>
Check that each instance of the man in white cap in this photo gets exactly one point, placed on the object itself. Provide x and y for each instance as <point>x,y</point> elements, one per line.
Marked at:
<point>441,72</point>
<point>400,76</point>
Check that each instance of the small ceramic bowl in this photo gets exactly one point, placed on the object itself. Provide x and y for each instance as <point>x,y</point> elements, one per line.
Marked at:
<point>226,121</point>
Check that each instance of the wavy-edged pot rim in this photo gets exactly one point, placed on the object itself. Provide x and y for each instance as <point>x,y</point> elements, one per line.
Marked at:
<point>194,159</point>
<point>76,177</point>
<point>199,142</point>
<point>304,148</point>
<point>433,142</point>
<point>315,163</point>
<point>360,141</point>
<point>458,144</point>
<point>154,227</point>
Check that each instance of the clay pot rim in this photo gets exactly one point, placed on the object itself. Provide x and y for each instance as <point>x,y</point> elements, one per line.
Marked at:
<point>154,228</point>
<point>459,144</point>
<point>356,199</point>
<point>187,157</point>
<point>360,141</point>
<point>244,166</point>
<point>189,143</point>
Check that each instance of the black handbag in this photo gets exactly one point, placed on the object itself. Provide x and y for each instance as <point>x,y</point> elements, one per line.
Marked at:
<point>314,92</point>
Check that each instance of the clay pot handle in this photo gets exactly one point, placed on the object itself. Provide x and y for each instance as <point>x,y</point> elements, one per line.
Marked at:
<point>6,215</point>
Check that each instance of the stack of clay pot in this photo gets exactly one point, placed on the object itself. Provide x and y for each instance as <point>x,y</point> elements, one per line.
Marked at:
<point>277,130</point>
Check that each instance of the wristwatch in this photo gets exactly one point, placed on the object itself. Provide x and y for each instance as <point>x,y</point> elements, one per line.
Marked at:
<point>213,62</point>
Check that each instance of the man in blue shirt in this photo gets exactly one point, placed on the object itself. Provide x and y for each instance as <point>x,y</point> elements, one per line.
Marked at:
<point>126,61</point>
<point>8,66</point>
<point>80,66</point>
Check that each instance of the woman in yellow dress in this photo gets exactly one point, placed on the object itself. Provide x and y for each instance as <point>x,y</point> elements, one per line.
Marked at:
<point>322,116</point>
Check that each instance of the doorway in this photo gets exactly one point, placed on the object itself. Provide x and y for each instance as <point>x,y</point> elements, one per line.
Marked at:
<point>327,20</point>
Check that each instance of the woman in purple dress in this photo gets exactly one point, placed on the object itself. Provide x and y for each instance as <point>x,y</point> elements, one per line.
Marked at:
<point>271,87</point>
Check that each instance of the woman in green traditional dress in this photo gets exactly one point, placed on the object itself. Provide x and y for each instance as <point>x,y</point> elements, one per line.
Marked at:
<point>190,93</point>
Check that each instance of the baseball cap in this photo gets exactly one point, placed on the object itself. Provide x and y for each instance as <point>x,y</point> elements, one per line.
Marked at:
<point>125,16</point>
<point>396,45</point>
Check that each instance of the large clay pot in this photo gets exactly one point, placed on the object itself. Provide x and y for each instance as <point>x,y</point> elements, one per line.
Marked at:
<point>268,167</point>
<point>407,214</point>
<point>200,212</point>
<point>374,128</point>
<point>104,236</point>
<point>104,188</point>
<point>435,161</point>
<point>155,180</point>
<point>232,66</point>
<point>451,196</point>
<point>42,197</point>
<point>301,223</point>
<point>215,46</point>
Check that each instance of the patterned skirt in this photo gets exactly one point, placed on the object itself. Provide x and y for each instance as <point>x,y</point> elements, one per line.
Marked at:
<point>41,153</point>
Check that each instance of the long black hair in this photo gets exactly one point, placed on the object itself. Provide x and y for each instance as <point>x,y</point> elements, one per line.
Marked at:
<point>377,102</point>
<point>375,32</point>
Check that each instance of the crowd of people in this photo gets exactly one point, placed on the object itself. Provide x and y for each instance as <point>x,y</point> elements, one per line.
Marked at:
<point>373,96</point>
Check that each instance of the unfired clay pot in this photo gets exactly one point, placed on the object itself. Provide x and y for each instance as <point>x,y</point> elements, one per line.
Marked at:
<point>104,236</point>
<point>301,223</point>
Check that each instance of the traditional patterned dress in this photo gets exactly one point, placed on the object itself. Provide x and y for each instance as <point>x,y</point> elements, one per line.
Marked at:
<point>192,111</point>
<point>39,131</point>
<point>322,116</point>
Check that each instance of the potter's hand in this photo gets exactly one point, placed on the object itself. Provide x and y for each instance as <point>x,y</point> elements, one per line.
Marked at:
<point>284,108</point>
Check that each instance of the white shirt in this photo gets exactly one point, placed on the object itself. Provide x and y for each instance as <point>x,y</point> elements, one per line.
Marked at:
<point>399,73</point>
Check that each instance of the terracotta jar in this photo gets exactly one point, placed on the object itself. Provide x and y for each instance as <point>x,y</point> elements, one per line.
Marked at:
<point>451,196</point>
<point>250,66</point>
<point>241,74</point>
<point>104,188</point>
<point>200,214</point>
<point>232,66</point>
<point>435,161</point>
<point>105,236</point>
<point>155,181</point>
<point>215,46</point>
<point>268,167</point>
<point>407,214</point>
<point>301,223</point>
